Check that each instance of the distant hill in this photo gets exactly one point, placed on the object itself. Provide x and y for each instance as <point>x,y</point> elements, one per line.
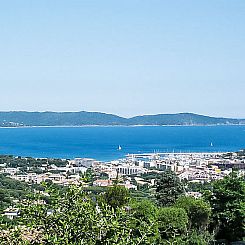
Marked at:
<point>183,119</point>
<point>22,118</point>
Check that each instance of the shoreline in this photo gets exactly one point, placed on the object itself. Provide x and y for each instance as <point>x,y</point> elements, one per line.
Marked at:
<point>126,126</point>
<point>128,155</point>
<point>124,155</point>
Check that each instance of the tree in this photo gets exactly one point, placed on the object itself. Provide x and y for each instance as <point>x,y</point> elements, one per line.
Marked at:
<point>228,207</point>
<point>168,188</point>
<point>172,223</point>
<point>88,176</point>
<point>198,212</point>
<point>75,219</point>
<point>144,210</point>
<point>197,238</point>
<point>144,214</point>
<point>4,199</point>
<point>116,196</point>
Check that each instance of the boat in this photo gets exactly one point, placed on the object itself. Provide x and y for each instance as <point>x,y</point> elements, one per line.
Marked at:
<point>119,148</point>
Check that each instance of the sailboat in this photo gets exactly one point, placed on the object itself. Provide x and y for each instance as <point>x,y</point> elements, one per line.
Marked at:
<point>211,144</point>
<point>119,148</point>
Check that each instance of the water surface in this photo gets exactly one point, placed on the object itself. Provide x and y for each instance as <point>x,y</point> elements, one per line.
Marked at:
<point>102,142</point>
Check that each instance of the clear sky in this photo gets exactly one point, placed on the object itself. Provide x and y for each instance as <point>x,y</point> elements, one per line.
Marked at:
<point>128,57</point>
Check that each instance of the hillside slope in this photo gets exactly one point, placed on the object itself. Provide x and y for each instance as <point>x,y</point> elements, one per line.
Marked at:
<point>22,118</point>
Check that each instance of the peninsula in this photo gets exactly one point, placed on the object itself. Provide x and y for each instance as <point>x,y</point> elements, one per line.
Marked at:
<point>82,118</point>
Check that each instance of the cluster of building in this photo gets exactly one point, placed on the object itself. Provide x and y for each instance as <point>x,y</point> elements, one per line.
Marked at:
<point>65,175</point>
<point>195,167</point>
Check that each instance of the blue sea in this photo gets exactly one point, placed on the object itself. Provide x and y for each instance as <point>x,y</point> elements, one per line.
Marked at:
<point>102,142</point>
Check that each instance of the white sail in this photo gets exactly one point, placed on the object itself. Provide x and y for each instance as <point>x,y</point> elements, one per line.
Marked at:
<point>119,148</point>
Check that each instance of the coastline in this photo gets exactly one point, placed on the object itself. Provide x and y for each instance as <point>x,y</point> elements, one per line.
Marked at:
<point>135,155</point>
<point>127,126</point>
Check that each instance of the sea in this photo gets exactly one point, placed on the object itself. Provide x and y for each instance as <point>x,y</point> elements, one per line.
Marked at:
<point>111,143</point>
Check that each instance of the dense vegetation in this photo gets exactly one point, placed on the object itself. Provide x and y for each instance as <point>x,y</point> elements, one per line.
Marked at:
<point>12,190</point>
<point>75,216</point>
<point>16,119</point>
<point>29,164</point>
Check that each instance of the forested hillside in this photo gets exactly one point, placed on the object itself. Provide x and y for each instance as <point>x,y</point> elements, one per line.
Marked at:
<point>21,118</point>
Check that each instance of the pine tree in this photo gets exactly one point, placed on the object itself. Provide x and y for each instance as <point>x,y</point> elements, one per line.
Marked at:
<point>168,188</point>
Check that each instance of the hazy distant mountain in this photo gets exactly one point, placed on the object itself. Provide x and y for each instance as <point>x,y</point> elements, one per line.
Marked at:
<point>183,119</point>
<point>21,118</point>
<point>59,118</point>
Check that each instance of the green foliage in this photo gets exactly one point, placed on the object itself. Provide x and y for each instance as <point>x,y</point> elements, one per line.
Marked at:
<point>11,189</point>
<point>73,216</point>
<point>172,223</point>
<point>144,210</point>
<point>198,211</point>
<point>116,196</point>
<point>4,199</point>
<point>168,188</point>
<point>145,213</point>
<point>228,203</point>
<point>77,219</point>
<point>29,164</point>
<point>95,190</point>
<point>88,177</point>
<point>97,216</point>
<point>149,176</point>
<point>104,176</point>
<point>199,187</point>
<point>197,238</point>
<point>142,194</point>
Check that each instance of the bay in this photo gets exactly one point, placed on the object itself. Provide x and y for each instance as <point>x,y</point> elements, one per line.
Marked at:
<point>102,143</point>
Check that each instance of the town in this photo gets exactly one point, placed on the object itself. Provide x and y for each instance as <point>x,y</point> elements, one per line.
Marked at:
<point>134,169</point>
<point>25,183</point>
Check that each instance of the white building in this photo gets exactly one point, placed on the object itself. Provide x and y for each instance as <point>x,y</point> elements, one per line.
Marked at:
<point>128,169</point>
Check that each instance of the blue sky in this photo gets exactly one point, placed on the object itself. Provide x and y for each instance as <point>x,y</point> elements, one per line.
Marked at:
<point>127,57</point>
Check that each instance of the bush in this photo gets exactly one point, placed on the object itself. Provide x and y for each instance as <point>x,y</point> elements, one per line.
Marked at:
<point>74,218</point>
<point>116,196</point>
<point>172,222</point>
<point>198,212</point>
